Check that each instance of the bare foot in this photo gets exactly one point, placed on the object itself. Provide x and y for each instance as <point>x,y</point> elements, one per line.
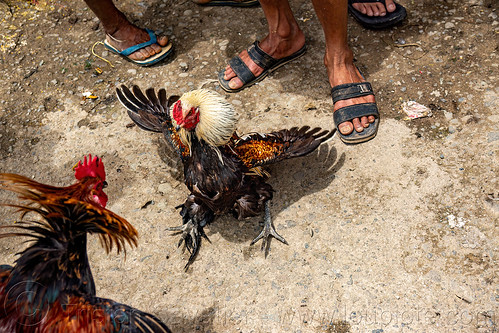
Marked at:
<point>374,8</point>
<point>276,47</point>
<point>129,35</point>
<point>341,72</point>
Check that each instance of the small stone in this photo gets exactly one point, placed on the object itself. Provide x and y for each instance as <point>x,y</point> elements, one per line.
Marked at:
<point>188,12</point>
<point>492,136</point>
<point>237,102</point>
<point>132,71</point>
<point>183,75</point>
<point>184,66</point>
<point>448,115</point>
<point>442,156</point>
<point>449,25</point>
<point>104,54</point>
<point>452,129</point>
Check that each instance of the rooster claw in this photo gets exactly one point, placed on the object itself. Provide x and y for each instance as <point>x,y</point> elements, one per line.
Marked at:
<point>191,236</point>
<point>268,232</point>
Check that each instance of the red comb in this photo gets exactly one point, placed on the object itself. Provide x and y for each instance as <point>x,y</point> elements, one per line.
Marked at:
<point>93,167</point>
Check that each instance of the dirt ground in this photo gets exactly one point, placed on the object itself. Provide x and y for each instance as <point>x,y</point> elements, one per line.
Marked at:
<point>399,234</point>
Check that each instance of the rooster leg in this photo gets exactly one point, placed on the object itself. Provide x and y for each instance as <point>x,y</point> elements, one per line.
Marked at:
<point>268,231</point>
<point>191,236</point>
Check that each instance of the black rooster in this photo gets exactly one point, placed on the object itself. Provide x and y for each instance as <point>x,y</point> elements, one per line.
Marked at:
<point>222,170</point>
<point>51,288</point>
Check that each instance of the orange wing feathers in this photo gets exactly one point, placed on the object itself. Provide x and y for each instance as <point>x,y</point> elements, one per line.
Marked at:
<point>259,149</point>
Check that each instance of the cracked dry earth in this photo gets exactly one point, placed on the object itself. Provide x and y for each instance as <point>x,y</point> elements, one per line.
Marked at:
<point>399,234</point>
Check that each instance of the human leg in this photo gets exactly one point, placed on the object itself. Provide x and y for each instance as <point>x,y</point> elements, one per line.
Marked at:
<point>122,34</point>
<point>284,39</point>
<point>339,59</point>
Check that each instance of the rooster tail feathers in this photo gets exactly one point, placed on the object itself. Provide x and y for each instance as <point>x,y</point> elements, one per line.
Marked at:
<point>149,111</point>
<point>129,319</point>
<point>62,215</point>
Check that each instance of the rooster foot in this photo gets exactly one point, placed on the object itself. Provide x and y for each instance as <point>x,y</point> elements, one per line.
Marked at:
<point>268,232</point>
<point>191,237</point>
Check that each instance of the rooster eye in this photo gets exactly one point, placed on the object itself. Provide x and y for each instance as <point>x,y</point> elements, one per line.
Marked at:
<point>104,184</point>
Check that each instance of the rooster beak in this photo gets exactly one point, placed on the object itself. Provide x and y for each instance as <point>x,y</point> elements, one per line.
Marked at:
<point>177,128</point>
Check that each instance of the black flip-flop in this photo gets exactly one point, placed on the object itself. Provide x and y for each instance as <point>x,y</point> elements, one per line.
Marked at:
<point>378,22</point>
<point>348,113</point>
<point>262,59</point>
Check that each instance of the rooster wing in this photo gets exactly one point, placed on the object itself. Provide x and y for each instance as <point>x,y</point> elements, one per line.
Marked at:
<point>151,113</point>
<point>255,149</point>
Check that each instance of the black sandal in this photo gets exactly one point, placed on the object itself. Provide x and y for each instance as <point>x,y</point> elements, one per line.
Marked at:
<point>378,22</point>
<point>260,58</point>
<point>348,113</point>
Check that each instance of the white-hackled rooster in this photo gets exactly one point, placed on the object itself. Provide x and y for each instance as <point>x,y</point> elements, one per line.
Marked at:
<point>222,170</point>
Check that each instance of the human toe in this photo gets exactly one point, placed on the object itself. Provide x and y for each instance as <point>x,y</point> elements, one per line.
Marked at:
<point>162,41</point>
<point>358,125</point>
<point>380,9</point>
<point>360,7</point>
<point>345,128</point>
<point>235,83</point>
<point>229,73</point>
<point>390,6</point>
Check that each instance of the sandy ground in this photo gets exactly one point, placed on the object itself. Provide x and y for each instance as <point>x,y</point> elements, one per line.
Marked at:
<point>396,235</point>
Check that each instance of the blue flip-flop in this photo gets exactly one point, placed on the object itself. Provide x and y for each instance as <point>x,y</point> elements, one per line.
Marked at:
<point>165,51</point>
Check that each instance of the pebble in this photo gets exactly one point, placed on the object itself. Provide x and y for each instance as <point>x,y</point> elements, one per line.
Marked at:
<point>492,136</point>
<point>442,156</point>
<point>452,129</point>
<point>188,12</point>
<point>183,75</point>
<point>449,25</point>
<point>237,102</point>
<point>132,71</point>
<point>184,66</point>
<point>448,115</point>
<point>104,54</point>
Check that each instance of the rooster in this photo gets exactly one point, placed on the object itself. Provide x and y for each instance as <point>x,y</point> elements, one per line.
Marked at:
<point>50,288</point>
<point>222,170</point>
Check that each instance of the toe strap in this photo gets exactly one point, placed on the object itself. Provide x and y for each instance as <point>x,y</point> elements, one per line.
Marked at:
<point>260,57</point>
<point>351,90</point>
<point>347,113</point>
<point>242,71</point>
<point>152,40</point>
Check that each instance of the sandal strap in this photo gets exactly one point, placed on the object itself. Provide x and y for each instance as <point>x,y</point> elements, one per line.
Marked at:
<point>260,57</point>
<point>350,112</point>
<point>242,71</point>
<point>152,40</point>
<point>351,90</point>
